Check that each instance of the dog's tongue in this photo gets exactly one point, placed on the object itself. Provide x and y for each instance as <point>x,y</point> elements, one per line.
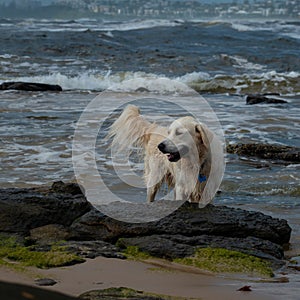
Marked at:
<point>170,156</point>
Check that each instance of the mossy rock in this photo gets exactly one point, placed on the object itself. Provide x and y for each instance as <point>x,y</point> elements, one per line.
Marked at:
<point>133,252</point>
<point>123,293</point>
<point>57,256</point>
<point>219,260</point>
<point>216,260</point>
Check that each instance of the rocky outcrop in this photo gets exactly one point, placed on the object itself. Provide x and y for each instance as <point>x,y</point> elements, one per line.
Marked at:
<point>188,220</point>
<point>273,152</point>
<point>62,213</point>
<point>257,99</point>
<point>24,209</point>
<point>30,86</point>
<point>179,246</point>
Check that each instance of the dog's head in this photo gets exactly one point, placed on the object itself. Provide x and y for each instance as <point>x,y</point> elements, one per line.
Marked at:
<point>185,137</point>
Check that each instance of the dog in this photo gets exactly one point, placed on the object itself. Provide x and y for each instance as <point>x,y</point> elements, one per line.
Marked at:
<point>181,155</point>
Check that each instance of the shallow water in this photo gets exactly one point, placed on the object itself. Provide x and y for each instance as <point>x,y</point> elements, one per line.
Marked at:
<point>37,130</point>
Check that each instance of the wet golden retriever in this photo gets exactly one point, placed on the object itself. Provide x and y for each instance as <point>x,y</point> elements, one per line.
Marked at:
<point>180,155</point>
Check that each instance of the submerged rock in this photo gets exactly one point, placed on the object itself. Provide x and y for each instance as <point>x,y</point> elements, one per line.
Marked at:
<point>30,86</point>
<point>266,151</point>
<point>46,215</point>
<point>256,99</point>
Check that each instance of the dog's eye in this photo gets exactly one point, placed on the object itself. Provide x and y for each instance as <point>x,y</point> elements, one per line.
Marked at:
<point>178,132</point>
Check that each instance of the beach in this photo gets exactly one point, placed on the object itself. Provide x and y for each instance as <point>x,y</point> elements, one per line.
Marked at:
<point>153,64</point>
<point>101,273</point>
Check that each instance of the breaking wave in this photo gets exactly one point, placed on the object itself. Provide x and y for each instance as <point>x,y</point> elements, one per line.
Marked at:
<point>287,83</point>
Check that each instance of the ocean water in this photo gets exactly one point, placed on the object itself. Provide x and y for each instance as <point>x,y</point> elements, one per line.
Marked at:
<point>221,60</point>
<point>216,56</point>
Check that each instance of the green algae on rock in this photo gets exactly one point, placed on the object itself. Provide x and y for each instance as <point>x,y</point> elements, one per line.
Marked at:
<point>133,252</point>
<point>127,293</point>
<point>56,256</point>
<point>218,260</point>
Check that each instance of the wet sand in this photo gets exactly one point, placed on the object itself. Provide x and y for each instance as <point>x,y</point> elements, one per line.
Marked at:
<point>102,273</point>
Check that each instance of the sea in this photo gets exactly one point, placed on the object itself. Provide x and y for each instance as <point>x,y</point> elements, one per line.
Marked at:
<point>169,68</point>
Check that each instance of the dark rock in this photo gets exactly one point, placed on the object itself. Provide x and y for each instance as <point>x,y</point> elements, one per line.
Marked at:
<point>50,233</point>
<point>190,227</point>
<point>189,220</point>
<point>14,291</point>
<point>45,282</point>
<point>265,151</point>
<point>93,249</point>
<point>178,246</point>
<point>24,209</point>
<point>94,225</point>
<point>166,56</point>
<point>30,86</point>
<point>66,188</point>
<point>47,215</point>
<point>163,246</point>
<point>256,99</point>
<point>142,90</point>
<point>42,118</point>
<point>271,94</point>
<point>246,288</point>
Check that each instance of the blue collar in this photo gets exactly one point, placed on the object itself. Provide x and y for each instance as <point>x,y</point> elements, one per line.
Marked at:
<point>201,178</point>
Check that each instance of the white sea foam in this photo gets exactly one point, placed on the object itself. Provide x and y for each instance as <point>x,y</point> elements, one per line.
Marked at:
<point>94,25</point>
<point>139,24</point>
<point>293,35</point>
<point>87,81</point>
<point>286,82</point>
<point>243,63</point>
<point>281,28</point>
<point>194,76</point>
<point>161,85</point>
<point>7,56</point>
<point>242,27</point>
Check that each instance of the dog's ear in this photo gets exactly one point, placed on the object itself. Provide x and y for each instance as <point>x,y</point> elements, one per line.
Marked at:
<point>204,134</point>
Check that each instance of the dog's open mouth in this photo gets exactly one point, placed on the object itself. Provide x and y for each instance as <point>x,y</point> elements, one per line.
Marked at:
<point>173,157</point>
<point>173,152</point>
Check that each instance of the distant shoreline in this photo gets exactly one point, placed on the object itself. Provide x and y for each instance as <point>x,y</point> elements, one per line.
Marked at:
<point>70,14</point>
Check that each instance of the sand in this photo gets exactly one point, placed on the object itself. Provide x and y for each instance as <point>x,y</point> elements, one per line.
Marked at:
<point>102,273</point>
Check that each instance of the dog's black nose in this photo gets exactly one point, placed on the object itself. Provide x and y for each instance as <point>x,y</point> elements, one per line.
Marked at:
<point>161,147</point>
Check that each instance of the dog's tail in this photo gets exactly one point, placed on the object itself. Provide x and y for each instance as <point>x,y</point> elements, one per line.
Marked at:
<point>129,130</point>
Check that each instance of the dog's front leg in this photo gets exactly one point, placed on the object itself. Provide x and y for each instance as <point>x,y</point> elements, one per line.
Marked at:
<point>152,188</point>
<point>151,192</point>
